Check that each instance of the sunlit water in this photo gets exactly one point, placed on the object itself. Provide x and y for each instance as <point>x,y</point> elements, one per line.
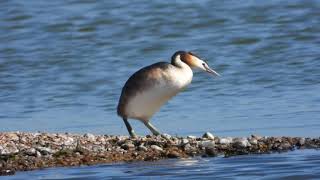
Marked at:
<point>63,64</point>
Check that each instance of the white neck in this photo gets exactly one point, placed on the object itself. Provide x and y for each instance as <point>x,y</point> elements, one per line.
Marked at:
<point>180,64</point>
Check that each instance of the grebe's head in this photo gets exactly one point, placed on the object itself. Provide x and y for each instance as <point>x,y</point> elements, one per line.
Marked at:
<point>193,61</point>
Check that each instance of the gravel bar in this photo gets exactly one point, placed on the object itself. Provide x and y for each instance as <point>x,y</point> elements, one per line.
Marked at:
<point>20,151</point>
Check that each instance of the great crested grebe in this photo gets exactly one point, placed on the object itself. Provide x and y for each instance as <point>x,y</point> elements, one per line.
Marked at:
<point>152,86</point>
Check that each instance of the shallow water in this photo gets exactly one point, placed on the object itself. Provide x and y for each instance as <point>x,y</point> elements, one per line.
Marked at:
<point>292,165</point>
<point>63,63</point>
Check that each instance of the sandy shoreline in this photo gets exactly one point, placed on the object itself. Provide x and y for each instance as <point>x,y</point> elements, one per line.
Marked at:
<point>21,151</point>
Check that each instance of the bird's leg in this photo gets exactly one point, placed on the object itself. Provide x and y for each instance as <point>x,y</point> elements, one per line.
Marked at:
<point>152,128</point>
<point>130,130</point>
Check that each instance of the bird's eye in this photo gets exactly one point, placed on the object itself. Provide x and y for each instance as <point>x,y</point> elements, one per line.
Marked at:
<point>203,64</point>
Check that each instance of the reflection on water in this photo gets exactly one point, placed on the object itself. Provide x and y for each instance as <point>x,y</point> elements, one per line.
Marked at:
<point>63,63</point>
<point>293,165</point>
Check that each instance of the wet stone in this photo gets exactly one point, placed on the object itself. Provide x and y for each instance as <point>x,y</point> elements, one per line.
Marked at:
<point>173,154</point>
<point>211,151</point>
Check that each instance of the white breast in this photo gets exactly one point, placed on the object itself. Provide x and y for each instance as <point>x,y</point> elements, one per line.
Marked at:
<point>149,101</point>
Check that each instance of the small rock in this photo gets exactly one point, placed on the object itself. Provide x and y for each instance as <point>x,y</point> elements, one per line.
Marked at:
<point>253,141</point>
<point>166,136</point>
<point>38,154</point>
<point>211,151</point>
<point>157,148</point>
<point>23,139</point>
<point>188,147</point>
<point>285,146</point>
<point>208,144</point>
<point>142,148</point>
<point>208,135</point>
<point>192,137</point>
<point>173,154</point>
<point>127,146</point>
<point>241,143</point>
<point>13,136</point>
<point>10,149</point>
<point>69,141</point>
<point>184,141</point>
<point>278,139</point>
<point>45,150</point>
<point>7,172</point>
<point>31,152</point>
<point>257,137</point>
<point>302,141</point>
<point>226,141</point>
<point>89,136</point>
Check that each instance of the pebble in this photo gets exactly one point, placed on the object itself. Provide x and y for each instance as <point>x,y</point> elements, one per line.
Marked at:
<point>241,143</point>
<point>226,141</point>
<point>208,135</point>
<point>257,137</point>
<point>173,154</point>
<point>13,136</point>
<point>142,148</point>
<point>208,144</point>
<point>253,141</point>
<point>69,141</point>
<point>90,137</point>
<point>302,141</point>
<point>31,147</point>
<point>45,150</point>
<point>157,148</point>
<point>9,149</point>
<point>127,146</point>
<point>192,137</point>
<point>166,136</point>
<point>184,141</point>
<point>38,154</point>
<point>31,152</point>
<point>211,152</point>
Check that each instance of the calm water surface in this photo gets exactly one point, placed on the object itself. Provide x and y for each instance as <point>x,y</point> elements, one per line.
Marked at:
<point>63,64</point>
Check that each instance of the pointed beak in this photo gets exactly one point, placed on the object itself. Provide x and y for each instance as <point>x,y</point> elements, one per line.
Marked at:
<point>211,71</point>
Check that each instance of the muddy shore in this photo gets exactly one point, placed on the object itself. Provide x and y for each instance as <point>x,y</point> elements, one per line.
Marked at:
<point>21,151</point>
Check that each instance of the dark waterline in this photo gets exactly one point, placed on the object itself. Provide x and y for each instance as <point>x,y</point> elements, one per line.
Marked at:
<point>292,165</point>
<point>63,63</point>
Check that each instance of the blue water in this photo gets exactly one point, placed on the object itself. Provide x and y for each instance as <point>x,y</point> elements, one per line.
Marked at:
<point>294,165</point>
<point>63,64</point>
